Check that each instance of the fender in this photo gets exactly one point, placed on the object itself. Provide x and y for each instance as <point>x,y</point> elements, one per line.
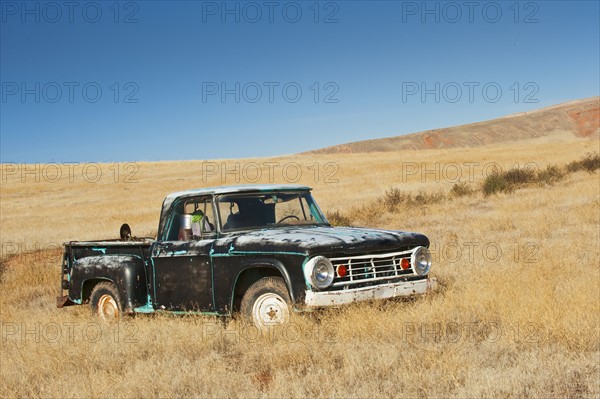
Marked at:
<point>127,272</point>
<point>256,263</point>
<point>277,264</point>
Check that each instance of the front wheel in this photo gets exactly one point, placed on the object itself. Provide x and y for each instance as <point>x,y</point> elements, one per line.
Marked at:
<point>267,302</point>
<point>105,302</point>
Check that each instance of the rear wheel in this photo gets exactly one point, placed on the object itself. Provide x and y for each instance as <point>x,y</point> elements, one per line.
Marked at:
<point>267,302</point>
<point>105,302</point>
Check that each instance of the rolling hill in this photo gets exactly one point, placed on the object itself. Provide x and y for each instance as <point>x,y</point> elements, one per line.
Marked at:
<point>580,118</point>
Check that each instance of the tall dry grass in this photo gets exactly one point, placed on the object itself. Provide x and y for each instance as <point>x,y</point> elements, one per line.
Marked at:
<point>516,314</point>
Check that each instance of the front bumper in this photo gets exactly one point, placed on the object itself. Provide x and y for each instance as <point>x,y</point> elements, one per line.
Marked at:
<point>383,291</point>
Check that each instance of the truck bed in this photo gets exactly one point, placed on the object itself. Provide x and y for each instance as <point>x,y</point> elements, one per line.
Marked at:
<point>77,250</point>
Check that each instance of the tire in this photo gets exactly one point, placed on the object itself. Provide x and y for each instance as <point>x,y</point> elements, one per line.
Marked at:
<point>267,302</point>
<point>106,302</point>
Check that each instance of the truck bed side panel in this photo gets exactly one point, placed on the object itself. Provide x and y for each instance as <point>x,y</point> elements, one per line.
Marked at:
<point>123,265</point>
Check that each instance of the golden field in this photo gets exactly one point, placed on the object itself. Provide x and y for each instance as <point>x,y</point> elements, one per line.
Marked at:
<point>517,312</point>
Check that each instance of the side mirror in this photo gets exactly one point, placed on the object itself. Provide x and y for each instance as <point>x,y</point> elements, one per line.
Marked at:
<point>125,232</point>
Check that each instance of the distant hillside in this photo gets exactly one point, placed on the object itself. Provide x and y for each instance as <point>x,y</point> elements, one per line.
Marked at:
<point>580,118</point>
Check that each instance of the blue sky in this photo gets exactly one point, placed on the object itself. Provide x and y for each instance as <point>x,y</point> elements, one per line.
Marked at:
<point>152,80</point>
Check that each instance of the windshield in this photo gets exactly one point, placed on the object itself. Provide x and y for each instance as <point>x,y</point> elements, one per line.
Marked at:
<point>260,210</point>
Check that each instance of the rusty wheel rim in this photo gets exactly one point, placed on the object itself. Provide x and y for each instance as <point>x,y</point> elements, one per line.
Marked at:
<point>270,309</point>
<point>107,308</point>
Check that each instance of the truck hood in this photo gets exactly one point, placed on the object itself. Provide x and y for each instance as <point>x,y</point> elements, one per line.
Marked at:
<point>324,240</point>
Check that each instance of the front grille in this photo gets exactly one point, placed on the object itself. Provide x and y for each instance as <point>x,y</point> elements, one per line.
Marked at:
<point>371,269</point>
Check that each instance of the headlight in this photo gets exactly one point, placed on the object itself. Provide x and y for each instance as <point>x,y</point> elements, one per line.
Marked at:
<point>420,261</point>
<point>319,272</point>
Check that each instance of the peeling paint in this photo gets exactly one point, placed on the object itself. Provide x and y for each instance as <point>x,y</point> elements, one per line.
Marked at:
<point>322,239</point>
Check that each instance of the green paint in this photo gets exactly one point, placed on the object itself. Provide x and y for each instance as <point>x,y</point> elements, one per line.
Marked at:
<point>304,274</point>
<point>147,308</point>
<point>316,212</point>
<point>212,273</point>
<point>153,277</point>
<point>238,253</point>
<point>191,312</point>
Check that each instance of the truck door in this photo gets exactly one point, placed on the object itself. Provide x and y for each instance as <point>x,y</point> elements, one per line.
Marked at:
<point>182,270</point>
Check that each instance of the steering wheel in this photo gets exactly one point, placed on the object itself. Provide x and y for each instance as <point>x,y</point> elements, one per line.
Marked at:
<point>287,217</point>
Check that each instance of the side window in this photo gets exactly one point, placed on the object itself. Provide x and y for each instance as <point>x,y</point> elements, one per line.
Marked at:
<point>192,219</point>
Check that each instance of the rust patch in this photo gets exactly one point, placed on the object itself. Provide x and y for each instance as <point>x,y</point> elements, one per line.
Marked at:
<point>62,301</point>
<point>437,139</point>
<point>588,121</point>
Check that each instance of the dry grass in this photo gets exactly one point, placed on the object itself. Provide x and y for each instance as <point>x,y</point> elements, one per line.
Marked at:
<point>517,313</point>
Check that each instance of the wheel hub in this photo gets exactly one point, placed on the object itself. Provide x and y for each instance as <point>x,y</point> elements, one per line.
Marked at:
<point>270,309</point>
<point>107,308</point>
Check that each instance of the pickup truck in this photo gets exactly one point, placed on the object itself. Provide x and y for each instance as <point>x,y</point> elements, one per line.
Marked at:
<point>260,250</point>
